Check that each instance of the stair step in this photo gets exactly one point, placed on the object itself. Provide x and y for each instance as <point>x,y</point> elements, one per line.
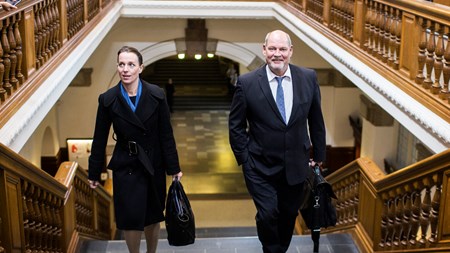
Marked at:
<point>300,244</point>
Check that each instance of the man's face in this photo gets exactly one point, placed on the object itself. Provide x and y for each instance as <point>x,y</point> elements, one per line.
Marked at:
<point>278,52</point>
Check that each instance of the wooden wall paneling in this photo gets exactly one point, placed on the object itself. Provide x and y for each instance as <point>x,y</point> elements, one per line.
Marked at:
<point>368,209</point>
<point>409,48</point>
<point>326,12</point>
<point>14,220</point>
<point>63,33</point>
<point>3,213</point>
<point>28,39</point>
<point>444,221</point>
<point>359,23</point>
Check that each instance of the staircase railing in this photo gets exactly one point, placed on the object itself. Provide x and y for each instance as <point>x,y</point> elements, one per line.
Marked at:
<point>34,38</point>
<point>404,40</point>
<point>405,211</point>
<point>39,213</point>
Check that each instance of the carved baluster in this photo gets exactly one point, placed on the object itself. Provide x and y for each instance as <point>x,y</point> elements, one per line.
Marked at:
<point>347,203</point>
<point>391,42</point>
<point>367,27</point>
<point>344,18</point>
<point>39,222</point>
<point>429,61</point>
<point>19,53</point>
<point>42,33</point>
<point>435,205</point>
<point>48,29</point>
<point>56,12</point>
<point>6,60</point>
<point>49,17</point>
<point>354,199</point>
<point>53,28</point>
<point>71,16</point>
<point>425,212</point>
<point>387,34</point>
<point>376,30</point>
<point>32,224</point>
<point>445,93</point>
<point>339,203</point>
<point>26,214</point>
<point>13,56</point>
<point>438,61</point>
<point>398,34</point>
<point>406,219</point>
<point>384,221</point>
<point>43,20</point>
<point>45,220</point>
<point>57,224</point>
<point>390,223</point>
<point>422,47</point>
<point>37,37</point>
<point>382,30</point>
<point>415,221</point>
<point>351,21</point>
<point>332,15</point>
<point>399,209</point>
<point>341,19</point>
<point>2,71</point>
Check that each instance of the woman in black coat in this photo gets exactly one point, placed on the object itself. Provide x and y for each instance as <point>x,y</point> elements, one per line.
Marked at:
<point>144,153</point>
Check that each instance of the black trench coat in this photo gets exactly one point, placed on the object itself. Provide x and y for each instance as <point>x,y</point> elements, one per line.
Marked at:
<point>139,178</point>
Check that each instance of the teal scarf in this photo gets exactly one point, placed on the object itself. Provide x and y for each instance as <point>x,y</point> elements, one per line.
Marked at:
<point>127,98</point>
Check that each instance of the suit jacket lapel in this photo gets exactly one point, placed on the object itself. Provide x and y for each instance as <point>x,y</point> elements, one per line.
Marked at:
<point>298,95</point>
<point>265,87</point>
<point>147,104</point>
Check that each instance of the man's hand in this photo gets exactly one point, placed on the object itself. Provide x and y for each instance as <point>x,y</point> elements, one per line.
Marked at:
<point>93,184</point>
<point>312,163</point>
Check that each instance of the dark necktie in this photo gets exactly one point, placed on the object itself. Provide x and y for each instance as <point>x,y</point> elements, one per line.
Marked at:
<point>280,97</point>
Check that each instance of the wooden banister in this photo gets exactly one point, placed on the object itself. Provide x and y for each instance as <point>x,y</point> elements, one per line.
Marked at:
<point>405,41</point>
<point>42,213</point>
<point>34,38</point>
<point>404,211</point>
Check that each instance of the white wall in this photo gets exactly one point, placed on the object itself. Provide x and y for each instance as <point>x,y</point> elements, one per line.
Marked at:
<point>337,104</point>
<point>44,141</point>
<point>378,142</point>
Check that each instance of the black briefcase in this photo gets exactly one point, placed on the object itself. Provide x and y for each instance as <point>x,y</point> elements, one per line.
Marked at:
<point>180,222</point>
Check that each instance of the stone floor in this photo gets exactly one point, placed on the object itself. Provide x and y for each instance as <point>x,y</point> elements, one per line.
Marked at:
<point>332,243</point>
<point>208,164</point>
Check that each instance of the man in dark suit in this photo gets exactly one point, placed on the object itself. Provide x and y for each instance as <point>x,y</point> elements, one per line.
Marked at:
<point>273,124</point>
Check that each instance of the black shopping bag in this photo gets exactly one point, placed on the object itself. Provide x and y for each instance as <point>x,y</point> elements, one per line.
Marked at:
<point>319,211</point>
<point>180,223</point>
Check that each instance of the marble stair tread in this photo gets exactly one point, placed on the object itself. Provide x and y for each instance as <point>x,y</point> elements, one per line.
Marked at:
<point>329,243</point>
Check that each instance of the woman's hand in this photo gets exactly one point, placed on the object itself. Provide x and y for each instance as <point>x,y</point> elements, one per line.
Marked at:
<point>7,6</point>
<point>177,176</point>
<point>93,184</point>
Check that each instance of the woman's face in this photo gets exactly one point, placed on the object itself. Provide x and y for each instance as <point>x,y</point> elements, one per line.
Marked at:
<point>128,68</point>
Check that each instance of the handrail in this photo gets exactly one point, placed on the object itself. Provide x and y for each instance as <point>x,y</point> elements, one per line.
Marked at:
<point>42,213</point>
<point>404,211</point>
